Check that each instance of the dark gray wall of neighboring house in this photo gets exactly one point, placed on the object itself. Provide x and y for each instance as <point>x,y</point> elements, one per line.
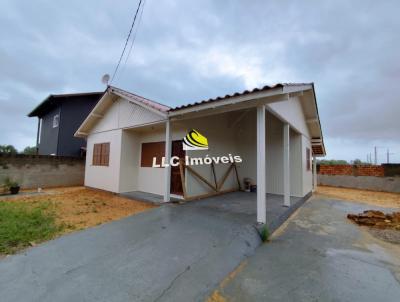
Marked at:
<point>73,113</point>
<point>48,134</point>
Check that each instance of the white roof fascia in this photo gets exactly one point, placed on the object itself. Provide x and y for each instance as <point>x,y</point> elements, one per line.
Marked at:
<point>130,99</point>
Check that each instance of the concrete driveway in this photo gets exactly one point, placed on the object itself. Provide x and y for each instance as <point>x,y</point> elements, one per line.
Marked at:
<point>319,256</point>
<point>171,253</point>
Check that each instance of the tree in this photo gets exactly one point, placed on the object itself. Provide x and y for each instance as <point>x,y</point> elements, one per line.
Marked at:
<point>357,162</point>
<point>29,150</point>
<point>8,149</point>
<point>332,162</point>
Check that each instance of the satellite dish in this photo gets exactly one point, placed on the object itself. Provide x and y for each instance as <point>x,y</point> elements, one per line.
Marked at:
<point>105,79</point>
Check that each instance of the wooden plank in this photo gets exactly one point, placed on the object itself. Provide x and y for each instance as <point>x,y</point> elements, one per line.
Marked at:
<point>201,178</point>
<point>181,170</point>
<point>214,175</point>
<point>237,176</point>
<point>221,183</point>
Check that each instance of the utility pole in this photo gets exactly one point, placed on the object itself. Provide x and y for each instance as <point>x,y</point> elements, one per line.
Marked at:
<point>388,155</point>
<point>376,155</point>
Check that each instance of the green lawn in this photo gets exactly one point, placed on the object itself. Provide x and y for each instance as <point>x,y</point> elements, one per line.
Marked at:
<point>22,225</point>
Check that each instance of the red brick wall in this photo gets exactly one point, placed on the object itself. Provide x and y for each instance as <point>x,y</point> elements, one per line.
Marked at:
<point>361,170</point>
<point>369,170</point>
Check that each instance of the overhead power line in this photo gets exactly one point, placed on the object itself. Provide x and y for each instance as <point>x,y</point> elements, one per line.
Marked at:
<point>127,40</point>
<point>133,38</point>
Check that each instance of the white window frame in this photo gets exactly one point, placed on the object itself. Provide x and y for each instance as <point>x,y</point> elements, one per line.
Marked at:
<point>56,120</point>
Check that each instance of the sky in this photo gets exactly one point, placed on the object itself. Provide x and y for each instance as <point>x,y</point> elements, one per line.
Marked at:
<point>186,51</point>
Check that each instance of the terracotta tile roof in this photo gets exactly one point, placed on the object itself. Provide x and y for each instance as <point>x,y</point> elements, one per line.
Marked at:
<point>265,88</point>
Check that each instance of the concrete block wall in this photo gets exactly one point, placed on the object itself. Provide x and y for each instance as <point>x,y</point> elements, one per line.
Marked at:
<point>42,171</point>
<point>373,183</point>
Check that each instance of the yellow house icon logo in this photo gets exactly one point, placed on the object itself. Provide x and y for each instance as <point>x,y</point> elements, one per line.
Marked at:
<point>195,141</point>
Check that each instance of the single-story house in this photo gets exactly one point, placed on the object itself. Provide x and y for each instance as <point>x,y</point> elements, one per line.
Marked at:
<point>267,137</point>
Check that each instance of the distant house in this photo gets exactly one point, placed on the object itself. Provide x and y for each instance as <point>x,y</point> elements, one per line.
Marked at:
<point>59,116</point>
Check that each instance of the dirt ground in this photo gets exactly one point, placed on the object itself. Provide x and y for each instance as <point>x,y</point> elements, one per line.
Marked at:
<point>381,199</point>
<point>79,207</point>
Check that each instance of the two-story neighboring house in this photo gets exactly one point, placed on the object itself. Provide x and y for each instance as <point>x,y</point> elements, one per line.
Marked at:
<point>59,116</point>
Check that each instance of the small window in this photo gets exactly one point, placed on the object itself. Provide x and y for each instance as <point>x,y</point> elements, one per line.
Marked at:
<point>56,120</point>
<point>101,154</point>
<point>308,159</point>
<point>150,150</point>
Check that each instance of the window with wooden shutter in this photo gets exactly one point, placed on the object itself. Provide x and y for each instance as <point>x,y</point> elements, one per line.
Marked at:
<point>150,150</point>
<point>308,154</point>
<point>101,154</point>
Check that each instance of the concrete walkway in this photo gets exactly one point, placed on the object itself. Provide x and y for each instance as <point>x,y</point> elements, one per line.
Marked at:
<point>171,253</point>
<point>319,256</point>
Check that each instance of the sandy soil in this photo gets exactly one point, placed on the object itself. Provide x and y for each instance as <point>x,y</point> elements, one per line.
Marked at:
<point>80,208</point>
<point>381,199</point>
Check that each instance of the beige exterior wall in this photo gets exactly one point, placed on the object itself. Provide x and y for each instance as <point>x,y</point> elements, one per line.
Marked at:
<point>291,111</point>
<point>221,141</point>
<point>124,114</point>
<point>274,154</point>
<point>307,174</point>
<point>105,178</point>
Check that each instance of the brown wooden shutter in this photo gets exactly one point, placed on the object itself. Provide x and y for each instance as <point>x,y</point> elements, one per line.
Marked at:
<point>96,153</point>
<point>105,154</point>
<point>101,154</point>
<point>150,150</point>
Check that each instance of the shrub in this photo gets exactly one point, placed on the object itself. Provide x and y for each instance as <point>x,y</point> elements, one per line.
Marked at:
<point>264,234</point>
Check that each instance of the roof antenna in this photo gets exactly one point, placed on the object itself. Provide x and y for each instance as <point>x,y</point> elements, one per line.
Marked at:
<point>105,79</point>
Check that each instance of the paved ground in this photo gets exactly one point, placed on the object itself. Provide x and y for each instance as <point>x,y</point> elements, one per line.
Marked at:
<point>244,206</point>
<point>171,253</point>
<point>320,256</point>
<point>241,205</point>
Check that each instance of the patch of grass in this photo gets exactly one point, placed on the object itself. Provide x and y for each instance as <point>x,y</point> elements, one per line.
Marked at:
<point>264,234</point>
<point>22,225</point>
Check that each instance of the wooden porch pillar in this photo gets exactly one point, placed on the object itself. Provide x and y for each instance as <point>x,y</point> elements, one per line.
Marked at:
<point>286,165</point>
<point>167,169</point>
<point>261,168</point>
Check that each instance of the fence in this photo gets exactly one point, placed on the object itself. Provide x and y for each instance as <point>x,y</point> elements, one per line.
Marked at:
<point>385,177</point>
<point>33,171</point>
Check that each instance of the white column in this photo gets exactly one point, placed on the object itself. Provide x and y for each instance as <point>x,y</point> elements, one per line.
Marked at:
<point>167,169</point>
<point>286,165</point>
<point>315,180</point>
<point>261,169</point>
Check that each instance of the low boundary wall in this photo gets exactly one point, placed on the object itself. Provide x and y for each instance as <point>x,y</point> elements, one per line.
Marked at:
<point>34,171</point>
<point>384,178</point>
<point>374,183</point>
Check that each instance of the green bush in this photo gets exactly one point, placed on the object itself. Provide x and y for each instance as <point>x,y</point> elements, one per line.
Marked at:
<point>22,225</point>
<point>9,183</point>
<point>264,234</point>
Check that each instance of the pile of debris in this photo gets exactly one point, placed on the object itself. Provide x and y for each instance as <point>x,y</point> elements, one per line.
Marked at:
<point>377,219</point>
